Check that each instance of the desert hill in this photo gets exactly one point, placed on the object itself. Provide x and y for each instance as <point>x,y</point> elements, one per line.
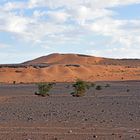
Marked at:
<point>81,59</point>
<point>69,67</point>
<point>57,58</point>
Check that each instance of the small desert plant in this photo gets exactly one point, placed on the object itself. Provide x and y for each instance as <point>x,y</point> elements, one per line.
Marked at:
<point>128,90</point>
<point>80,88</point>
<point>43,89</point>
<point>14,82</point>
<point>98,87</point>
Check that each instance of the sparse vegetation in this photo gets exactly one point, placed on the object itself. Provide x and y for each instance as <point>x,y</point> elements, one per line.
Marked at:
<point>44,88</point>
<point>18,71</point>
<point>98,87</point>
<point>14,82</point>
<point>72,65</point>
<point>80,88</point>
<point>82,55</point>
<point>128,90</point>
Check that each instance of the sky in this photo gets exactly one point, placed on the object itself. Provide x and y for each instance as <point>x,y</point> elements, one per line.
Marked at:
<point>33,28</point>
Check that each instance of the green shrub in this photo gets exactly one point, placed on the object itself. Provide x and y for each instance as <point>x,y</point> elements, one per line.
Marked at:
<point>80,88</point>
<point>44,88</point>
<point>98,87</point>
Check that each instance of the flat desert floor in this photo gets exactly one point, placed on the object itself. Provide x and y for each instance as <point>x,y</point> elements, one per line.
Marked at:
<point>112,113</point>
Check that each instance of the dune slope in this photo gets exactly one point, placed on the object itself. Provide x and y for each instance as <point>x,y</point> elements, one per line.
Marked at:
<point>69,67</point>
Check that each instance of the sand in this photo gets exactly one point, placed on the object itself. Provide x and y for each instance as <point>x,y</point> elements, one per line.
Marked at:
<point>69,67</point>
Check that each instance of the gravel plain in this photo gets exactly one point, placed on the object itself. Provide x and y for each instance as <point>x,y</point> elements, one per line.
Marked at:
<point>112,113</point>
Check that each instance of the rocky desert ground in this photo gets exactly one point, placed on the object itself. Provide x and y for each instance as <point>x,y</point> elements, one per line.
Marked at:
<point>112,113</point>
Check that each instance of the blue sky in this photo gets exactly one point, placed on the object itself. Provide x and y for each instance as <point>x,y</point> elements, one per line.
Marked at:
<point>32,28</point>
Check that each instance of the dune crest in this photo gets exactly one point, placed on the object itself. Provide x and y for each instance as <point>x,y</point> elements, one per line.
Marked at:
<point>69,67</point>
<point>57,58</point>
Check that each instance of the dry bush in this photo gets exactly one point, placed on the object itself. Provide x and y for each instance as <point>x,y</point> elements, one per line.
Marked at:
<point>44,88</point>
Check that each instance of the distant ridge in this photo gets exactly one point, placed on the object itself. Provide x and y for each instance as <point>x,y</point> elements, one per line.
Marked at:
<point>81,59</point>
<point>70,67</point>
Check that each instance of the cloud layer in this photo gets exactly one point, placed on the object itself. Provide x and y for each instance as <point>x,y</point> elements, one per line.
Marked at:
<point>54,22</point>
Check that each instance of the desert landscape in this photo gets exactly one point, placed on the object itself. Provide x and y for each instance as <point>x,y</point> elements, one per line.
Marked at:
<point>111,112</point>
<point>69,70</point>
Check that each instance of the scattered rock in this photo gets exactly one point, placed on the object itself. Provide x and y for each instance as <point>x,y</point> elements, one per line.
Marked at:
<point>70,131</point>
<point>94,136</point>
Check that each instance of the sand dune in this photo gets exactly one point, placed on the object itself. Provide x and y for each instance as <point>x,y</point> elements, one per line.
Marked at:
<point>81,59</point>
<point>65,59</point>
<point>69,67</point>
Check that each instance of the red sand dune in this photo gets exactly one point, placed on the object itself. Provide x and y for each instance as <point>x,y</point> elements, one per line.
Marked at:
<point>65,59</point>
<point>69,67</point>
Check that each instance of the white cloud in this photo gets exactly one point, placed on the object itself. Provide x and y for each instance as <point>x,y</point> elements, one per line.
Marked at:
<point>65,21</point>
<point>117,29</point>
<point>58,16</point>
<point>38,13</point>
<point>28,28</point>
<point>75,3</point>
<point>66,3</point>
<point>3,45</point>
<point>13,5</point>
<point>123,52</point>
